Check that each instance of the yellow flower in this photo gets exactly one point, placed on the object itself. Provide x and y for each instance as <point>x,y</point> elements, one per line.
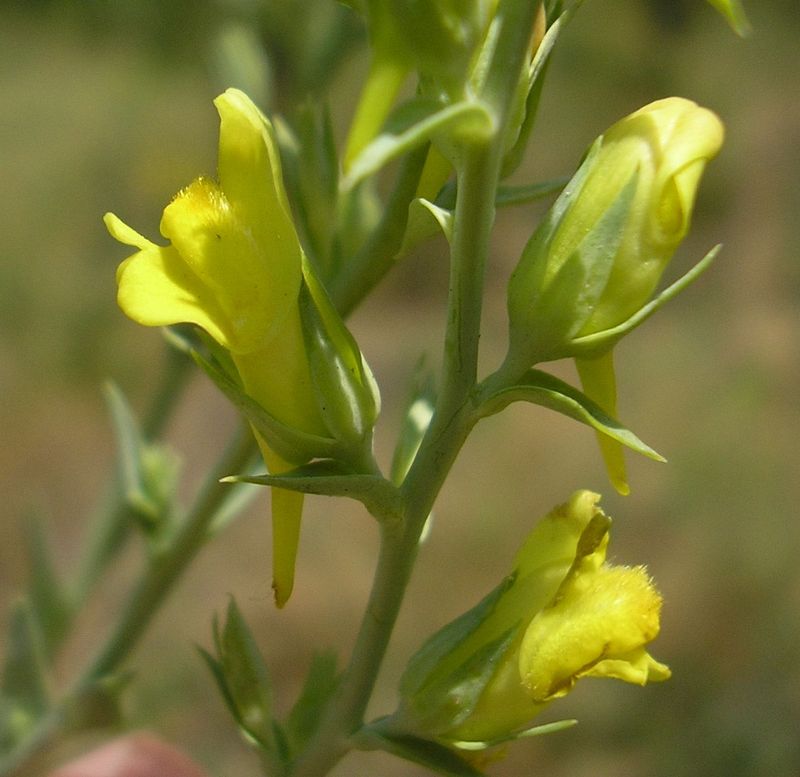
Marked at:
<point>563,614</point>
<point>234,267</point>
<point>598,256</point>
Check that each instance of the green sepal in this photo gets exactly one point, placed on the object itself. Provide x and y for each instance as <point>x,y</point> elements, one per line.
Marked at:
<point>416,122</point>
<point>49,604</point>
<point>534,731</point>
<point>23,684</point>
<point>243,677</point>
<point>443,642</point>
<point>442,682</point>
<point>318,689</point>
<point>425,752</point>
<point>346,391</point>
<point>416,420</point>
<point>148,471</point>
<point>332,478</point>
<point>541,388</point>
<point>546,314</point>
<point>600,342</point>
<point>289,443</point>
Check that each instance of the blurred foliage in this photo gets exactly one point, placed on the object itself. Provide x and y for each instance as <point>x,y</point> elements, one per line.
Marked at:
<point>107,107</point>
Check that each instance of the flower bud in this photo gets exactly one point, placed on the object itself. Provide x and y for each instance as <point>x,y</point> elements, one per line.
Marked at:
<point>563,614</point>
<point>599,254</point>
<point>588,272</point>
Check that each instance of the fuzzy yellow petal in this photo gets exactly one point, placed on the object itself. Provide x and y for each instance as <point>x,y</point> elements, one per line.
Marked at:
<point>604,615</point>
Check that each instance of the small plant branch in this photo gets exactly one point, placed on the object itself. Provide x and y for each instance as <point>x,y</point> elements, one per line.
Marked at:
<point>163,570</point>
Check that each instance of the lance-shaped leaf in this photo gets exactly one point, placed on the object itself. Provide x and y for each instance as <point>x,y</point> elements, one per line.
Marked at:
<point>521,194</point>
<point>149,472</point>
<point>602,341</point>
<point>530,94</point>
<point>425,219</point>
<point>427,753</point>
<point>733,11</point>
<point>23,686</point>
<point>414,123</point>
<point>527,733</point>
<point>49,604</point>
<point>541,388</point>
<point>243,677</point>
<point>416,420</point>
<point>332,478</point>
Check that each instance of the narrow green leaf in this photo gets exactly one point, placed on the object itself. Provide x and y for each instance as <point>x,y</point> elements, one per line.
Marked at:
<point>733,11</point>
<point>602,341</point>
<point>148,471</point>
<point>519,195</point>
<point>541,388</point>
<point>320,685</point>
<point>331,478</point>
<point>413,124</point>
<point>431,755</point>
<point>215,667</point>
<point>535,731</point>
<point>415,424</point>
<point>425,219</point>
<point>246,676</point>
<point>533,93</point>
<point>48,601</point>
<point>23,680</point>
<point>347,394</point>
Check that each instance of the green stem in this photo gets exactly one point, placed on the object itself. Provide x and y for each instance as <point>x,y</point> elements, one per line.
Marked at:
<point>453,418</point>
<point>163,571</point>
<point>449,428</point>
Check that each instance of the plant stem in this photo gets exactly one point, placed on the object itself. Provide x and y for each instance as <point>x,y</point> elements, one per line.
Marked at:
<point>163,570</point>
<point>449,428</point>
<point>454,416</point>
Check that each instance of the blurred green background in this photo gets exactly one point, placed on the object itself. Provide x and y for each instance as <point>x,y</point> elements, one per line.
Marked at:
<point>107,106</point>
